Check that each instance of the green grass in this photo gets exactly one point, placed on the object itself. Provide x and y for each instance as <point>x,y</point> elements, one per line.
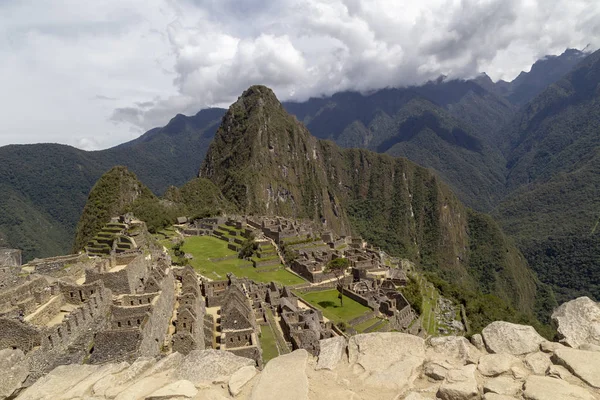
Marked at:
<point>267,342</point>
<point>328,302</point>
<point>206,248</point>
<point>362,326</point>
<point>430,298</point>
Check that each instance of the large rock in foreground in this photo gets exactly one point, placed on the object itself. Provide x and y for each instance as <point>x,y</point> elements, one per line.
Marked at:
<point>505,337</point>
<point>387,360</point>
<point>578,322</point>
<point>584,364</point>
<point>544,388</point>
<point>14,371</point>
<point>208,366</point>
<point>284,377</point>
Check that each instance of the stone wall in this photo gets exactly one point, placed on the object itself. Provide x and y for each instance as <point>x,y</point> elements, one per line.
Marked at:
<point>10,258</point>
<point>111,344</point>
<point>17,335</point>
<point>77,294</point>
<point>11,298</point>
<point>53,264</point>
<point>124,281</point>
<point>153,333</point>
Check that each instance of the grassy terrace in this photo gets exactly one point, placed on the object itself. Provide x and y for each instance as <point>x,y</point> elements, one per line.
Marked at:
<point>328,302</point>
<point>430,298</point>
<point>267,342</point>
<point>207,248</point>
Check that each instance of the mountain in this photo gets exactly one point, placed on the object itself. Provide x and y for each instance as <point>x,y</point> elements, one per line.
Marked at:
<point>45,186</point>
<point>266,162</point>
<point>553,153</point>
<point>543,73</point>
<point>444,125</point>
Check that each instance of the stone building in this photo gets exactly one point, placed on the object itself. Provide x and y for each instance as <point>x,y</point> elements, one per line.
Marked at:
<point>190,333</point>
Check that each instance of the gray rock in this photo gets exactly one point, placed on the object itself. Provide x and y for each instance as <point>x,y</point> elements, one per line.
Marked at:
<point>86,385</point>
<point>284,377</point>
<point>538,362</point>
<point>145,386</point>
<point>460,385</point>
<point>550,347</point>
<point>112,385</point>
<point>496,364</point>
<point>558,372</point>
<point>453,349</point>
<point>14,369</point>
<point>545,388</point>
<point>589,347</point>
<point>435,371</point>
<point>477,341</point>
<point>239,379</point>
<point>495,396</point>
<point>503,385</point>
<point>390,360</point>
<point>505,337</point>
<point>583,364</point>
<point>331,352</point>
<point>179,389</point>
<point>58,381</point>
<point>578,322</point>
<point>207,366</point>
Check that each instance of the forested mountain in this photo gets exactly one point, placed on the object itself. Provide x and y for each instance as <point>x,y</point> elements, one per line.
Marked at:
<point>553,153</point>
<point>542,74</point>
<point>267,163</point>
<point>45,186</point>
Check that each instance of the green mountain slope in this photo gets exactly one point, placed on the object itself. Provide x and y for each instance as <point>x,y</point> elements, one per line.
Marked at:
<point>446,126</point>
<point>266,162</point>
<point>45,186</point>
<point>554,173</point>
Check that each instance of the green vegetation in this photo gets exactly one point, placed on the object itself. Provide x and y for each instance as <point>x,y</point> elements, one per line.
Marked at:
<point>267,343</point>
<point>206,249</point>
<point>327,301</point>
<point>338,267</point>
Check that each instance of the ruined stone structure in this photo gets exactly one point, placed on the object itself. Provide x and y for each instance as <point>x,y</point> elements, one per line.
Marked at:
<point>190,331</point>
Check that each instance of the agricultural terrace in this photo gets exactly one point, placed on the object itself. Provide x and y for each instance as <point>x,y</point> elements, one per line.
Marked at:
<point>328,302</point>
<point>214,260</point>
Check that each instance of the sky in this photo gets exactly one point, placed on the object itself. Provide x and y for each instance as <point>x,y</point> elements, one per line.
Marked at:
<point>94,74</point>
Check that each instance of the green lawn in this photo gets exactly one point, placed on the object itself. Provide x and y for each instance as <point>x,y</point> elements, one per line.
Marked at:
<point>430,297</point>
<point>205,248</point>
<point>361,327</point>
<point>328,302</point>
<point>267,342</point>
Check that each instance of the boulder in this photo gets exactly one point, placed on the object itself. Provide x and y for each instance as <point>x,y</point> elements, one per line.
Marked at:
<point>578,322</point>
<point>208,366</point>
<point>460,384</point>
<point>390,360</point>
<point>58,381</point>
<point>452,349</point>
<point>111,385</point>
<point>145,386</point>
<point>503,385</point>
<point>495,396</point>
<point>86,385</point>
<point>477,341</point>
<point>545,388</point>
<point>538,362</point>
<point>331,352</point>
<point>240,378</point>
<point>284,377</point>
<point>583,364</point>
<point>435,371</point>
<point>550,347</point>
<point>589,347</point>
<point>179,389</point>
<point>558,372</point>
<point>505,337</point>
<point>496,364</point>
<point>14,369</point>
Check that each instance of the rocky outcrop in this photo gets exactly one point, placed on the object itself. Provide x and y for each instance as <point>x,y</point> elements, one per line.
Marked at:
<point>14,371</point>
<point>578,322</point>
<point>504,337</point>
<point>377,366</point>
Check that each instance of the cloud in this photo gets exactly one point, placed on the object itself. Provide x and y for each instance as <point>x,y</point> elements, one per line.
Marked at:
<point>157,58</point>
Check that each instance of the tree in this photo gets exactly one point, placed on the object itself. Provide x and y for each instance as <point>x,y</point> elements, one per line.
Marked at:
<point>338,267</point>
<point>249,247</point>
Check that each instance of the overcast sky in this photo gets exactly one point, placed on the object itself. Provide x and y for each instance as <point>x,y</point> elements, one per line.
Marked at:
<point>94,74</point>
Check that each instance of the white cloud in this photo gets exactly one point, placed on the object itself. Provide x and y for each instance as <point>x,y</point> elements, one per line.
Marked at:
<point>112,69</point>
